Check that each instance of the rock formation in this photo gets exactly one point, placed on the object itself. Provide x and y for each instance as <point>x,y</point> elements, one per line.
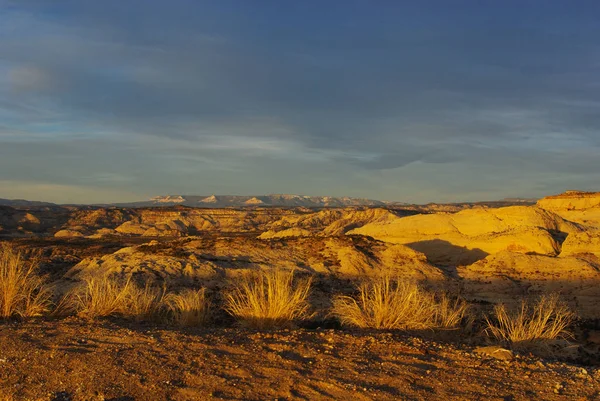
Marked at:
<point>467,236</point>
<point>326,222</point>
<point>196,258</point>
<point>576,206</point>
<point>493,254</point>
<point>508,277</point>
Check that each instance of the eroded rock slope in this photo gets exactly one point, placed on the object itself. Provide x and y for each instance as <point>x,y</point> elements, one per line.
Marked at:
<point>463,238</point>
<point>200,258</point>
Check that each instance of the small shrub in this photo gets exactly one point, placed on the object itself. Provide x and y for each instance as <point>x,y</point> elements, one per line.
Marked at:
<point>532,327</point>
<point>189,308</point>
<point>384,303</point>
<point>269,299</point>
<point>23,292</point>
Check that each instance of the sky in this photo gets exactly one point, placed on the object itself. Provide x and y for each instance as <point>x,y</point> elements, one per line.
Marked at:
<point>413,101</point>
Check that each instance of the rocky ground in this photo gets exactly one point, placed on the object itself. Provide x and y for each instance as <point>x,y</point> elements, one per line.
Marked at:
<point>77,360</point>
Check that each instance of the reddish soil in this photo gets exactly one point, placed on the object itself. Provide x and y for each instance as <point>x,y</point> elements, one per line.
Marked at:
<point>75,360</point>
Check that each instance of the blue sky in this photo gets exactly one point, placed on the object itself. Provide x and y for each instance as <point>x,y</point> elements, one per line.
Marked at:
<point>411,101</point>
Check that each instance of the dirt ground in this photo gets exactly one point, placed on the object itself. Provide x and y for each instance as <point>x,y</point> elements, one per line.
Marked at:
<point>110,360</point>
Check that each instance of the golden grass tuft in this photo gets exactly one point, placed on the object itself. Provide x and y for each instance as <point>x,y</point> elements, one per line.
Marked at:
<point>189,308</point>
<point>144,303</point>
<point>269,299</point>
<point>23,292</point>
<point>106,295</point>
<point>99,297</point>
<point>384,303</point>
<point>534,326</point>
<point>450,312</point>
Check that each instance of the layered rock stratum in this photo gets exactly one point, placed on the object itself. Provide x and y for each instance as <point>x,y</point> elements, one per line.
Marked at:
<point>577,206</point>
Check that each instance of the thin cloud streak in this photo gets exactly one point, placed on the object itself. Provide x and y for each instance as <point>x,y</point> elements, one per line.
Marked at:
<point>197,97</point>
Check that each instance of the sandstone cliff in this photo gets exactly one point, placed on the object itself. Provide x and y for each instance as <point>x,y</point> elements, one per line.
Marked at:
<point>577,206</point>
<point>470,235</point>
<point>581,244</point>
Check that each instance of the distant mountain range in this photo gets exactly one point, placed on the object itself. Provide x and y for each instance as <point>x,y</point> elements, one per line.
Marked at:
<point>218,201</point>
<point>24,203</point>
<point>280,200</point>
<point>276,200</point>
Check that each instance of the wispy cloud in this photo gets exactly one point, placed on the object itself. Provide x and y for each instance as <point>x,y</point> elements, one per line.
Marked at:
<point>371,101</point>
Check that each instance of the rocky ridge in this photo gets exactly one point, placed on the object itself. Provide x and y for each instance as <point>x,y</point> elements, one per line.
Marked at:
<point>491,253</point>
<point>200,258</point>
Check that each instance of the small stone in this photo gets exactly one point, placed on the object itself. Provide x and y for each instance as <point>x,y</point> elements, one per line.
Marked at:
<point>496,352</point>
<point>558,388</point>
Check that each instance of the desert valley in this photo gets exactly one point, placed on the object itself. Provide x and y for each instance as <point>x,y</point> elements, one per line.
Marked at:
<point>299,200</point>
<point>465,259</point>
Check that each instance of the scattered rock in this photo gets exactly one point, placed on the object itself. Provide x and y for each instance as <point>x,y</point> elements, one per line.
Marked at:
<point>582,373</point>
<point>558,389</point>
<point>496,352</point>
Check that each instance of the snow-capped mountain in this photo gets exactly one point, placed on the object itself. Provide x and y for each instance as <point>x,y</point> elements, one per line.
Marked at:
<point>168,199</point>
<point>281,200</point>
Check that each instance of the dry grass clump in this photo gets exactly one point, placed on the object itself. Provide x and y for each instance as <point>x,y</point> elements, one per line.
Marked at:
<point>145,303</point>
<point>532,327</point>
<point>23,292</point>
<point>450,313</point>
<point>384,303</point>
<point>189,308</point>
<point>269,299</point>
<point>99,297</point>
<point>108,296</point>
